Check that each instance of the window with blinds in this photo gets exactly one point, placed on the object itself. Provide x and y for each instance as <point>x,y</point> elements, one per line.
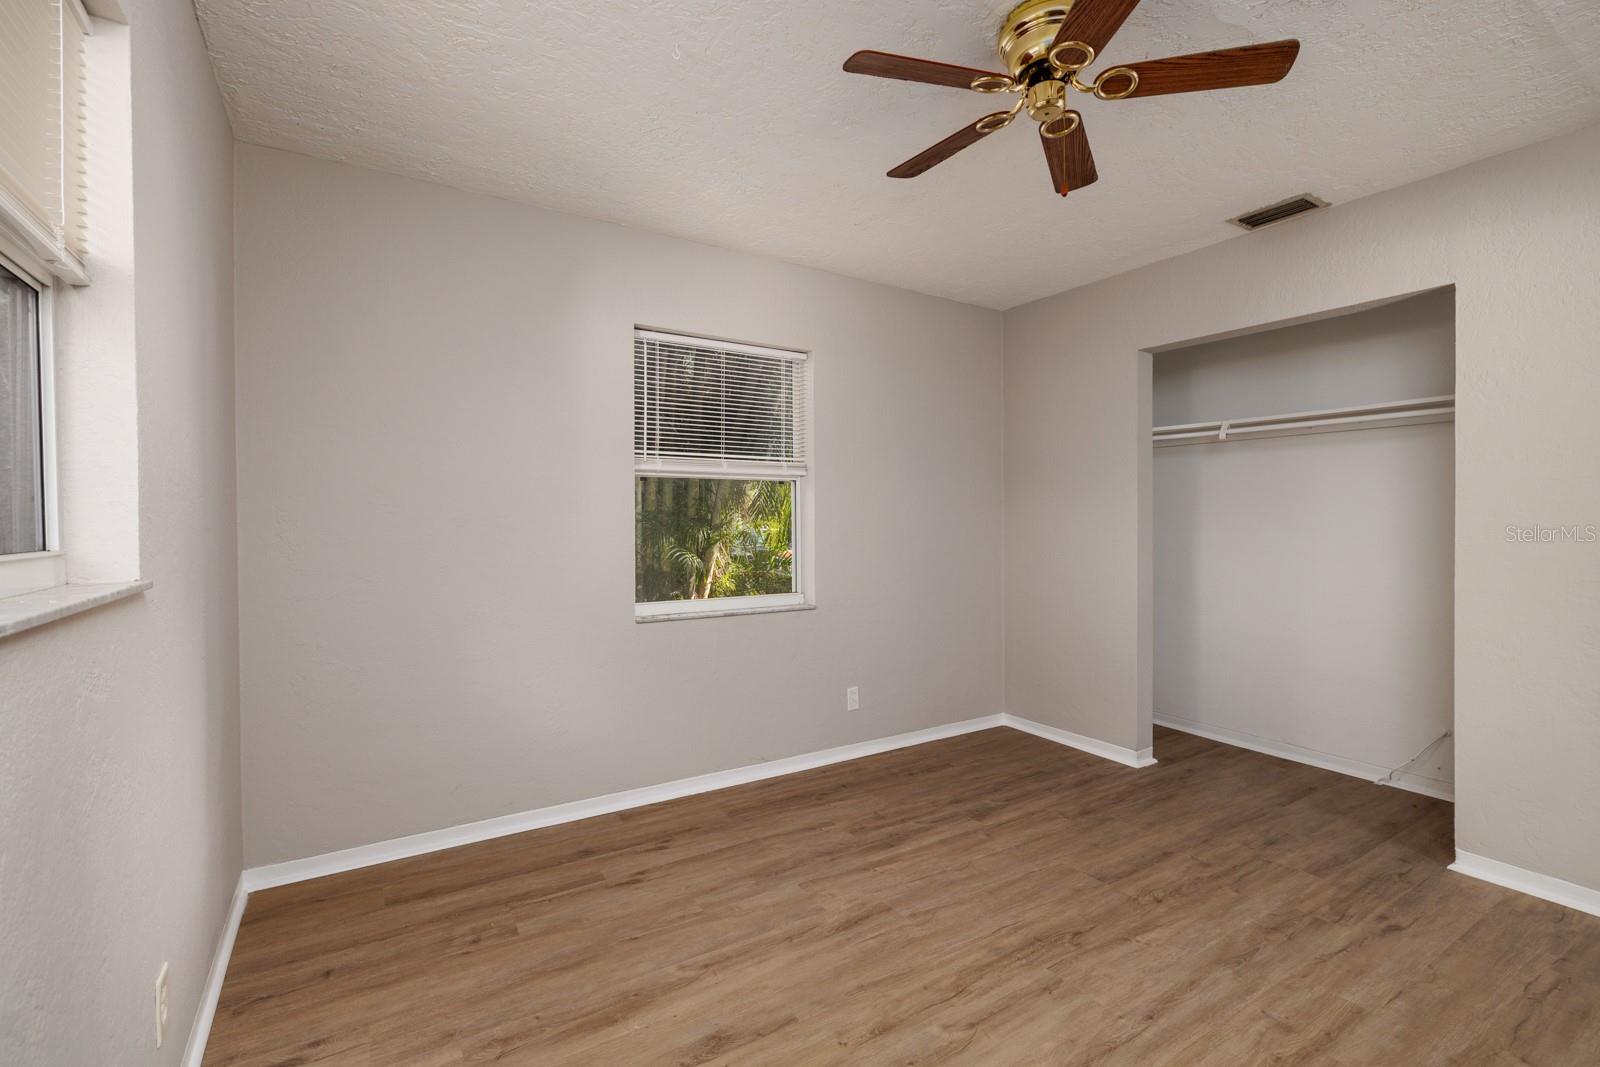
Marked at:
<point>42,120</point>
<point>703,404</point>
<point>721,454</point>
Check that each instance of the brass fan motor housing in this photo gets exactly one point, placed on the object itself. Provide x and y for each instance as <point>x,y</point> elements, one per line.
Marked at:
<point>1046,100</point>
<point>1028,32</point>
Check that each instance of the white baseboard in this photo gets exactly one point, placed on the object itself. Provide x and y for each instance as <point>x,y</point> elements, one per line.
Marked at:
<point>1543,886</point>
<point>1325,760</point>
<point>450,837</point>
<point>200,1032</point>
<point>1419,783</point>
<point>1127,756</point>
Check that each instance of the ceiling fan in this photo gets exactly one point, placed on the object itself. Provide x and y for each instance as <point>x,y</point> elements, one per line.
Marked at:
<point>1046,45</point>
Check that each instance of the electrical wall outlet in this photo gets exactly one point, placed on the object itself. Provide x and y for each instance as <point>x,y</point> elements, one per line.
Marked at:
<point>161,1006</point>
<point>852,699</point>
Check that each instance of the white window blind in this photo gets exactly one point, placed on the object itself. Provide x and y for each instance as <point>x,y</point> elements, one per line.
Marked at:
<point>42,122</point>
<point>712,406</point>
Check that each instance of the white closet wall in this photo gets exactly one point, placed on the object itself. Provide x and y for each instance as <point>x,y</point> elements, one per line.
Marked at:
<point>1303,584</point>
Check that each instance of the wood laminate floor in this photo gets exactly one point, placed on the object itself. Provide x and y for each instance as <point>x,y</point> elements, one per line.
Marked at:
<point>991,899</point>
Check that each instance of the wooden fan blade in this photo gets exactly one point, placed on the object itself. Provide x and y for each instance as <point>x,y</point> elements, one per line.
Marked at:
<point>1226,68</point>
<point>908,69</point>
<point>932,157</point>
<point>1094,22</point>
<point>1071,162</point>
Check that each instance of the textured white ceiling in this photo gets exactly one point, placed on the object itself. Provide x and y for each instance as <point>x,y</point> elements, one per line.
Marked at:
<point>730,122</point>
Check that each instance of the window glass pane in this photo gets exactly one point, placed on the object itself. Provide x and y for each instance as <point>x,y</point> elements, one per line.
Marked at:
<point>21,451</point>
<point>699,538</point>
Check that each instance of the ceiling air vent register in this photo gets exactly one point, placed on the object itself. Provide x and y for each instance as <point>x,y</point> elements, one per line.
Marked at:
<point>1284,209</point>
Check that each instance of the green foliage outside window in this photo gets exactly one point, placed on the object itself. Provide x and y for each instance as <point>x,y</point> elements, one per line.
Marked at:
<point>699,538</point>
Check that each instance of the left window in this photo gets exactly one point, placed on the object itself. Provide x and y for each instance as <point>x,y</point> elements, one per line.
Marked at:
<point>43,242</point>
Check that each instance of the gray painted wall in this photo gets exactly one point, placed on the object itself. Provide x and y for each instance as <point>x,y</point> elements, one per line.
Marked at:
<point>119,747</point>
<point>436,528</point>
<point>1303,585</point>
<point>1517,237</point>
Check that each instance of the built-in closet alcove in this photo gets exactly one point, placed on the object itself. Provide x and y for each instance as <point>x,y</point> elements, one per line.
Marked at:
<point>1303,540</point>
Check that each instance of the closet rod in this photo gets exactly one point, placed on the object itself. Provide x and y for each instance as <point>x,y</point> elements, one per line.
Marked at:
<point>1367,416</point>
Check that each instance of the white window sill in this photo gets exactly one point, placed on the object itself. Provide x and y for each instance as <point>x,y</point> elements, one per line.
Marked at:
<point>723,613</point>
<point>27,610</point>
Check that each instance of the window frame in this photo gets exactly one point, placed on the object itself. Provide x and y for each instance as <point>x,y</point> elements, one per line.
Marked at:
<point>801,480</point>
<point>31,572</point>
